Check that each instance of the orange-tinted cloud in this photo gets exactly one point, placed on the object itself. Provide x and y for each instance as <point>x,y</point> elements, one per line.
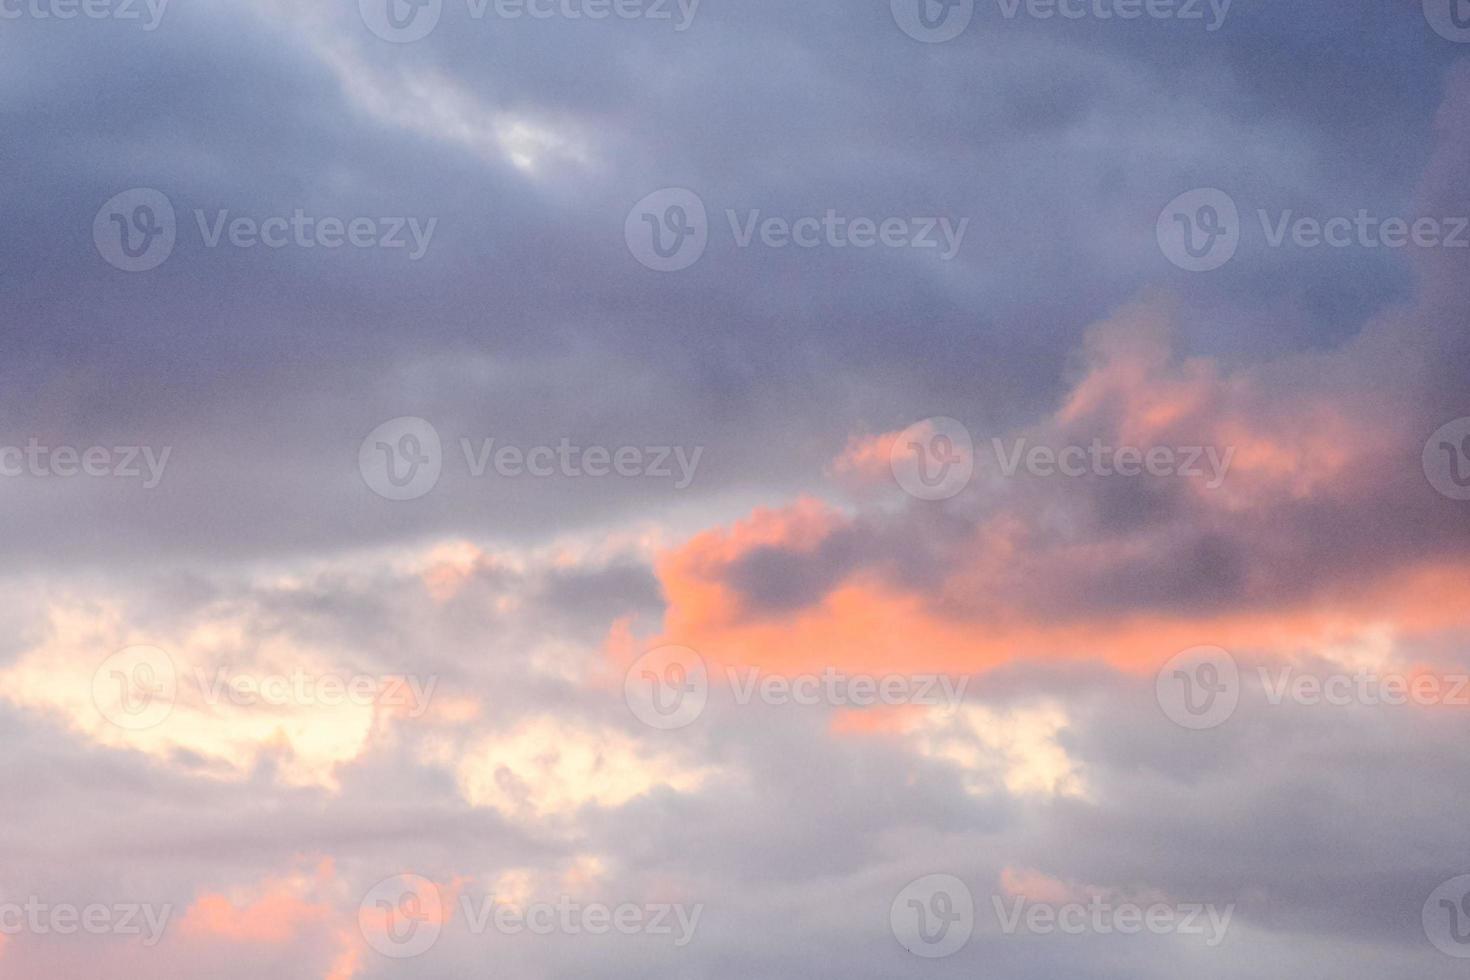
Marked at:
<point>1315,537</point>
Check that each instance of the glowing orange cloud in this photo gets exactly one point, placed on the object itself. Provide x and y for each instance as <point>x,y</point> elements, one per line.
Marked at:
<point>994,600</point>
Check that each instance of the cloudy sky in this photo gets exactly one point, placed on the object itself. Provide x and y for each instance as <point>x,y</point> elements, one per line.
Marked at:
<point>729,488</point>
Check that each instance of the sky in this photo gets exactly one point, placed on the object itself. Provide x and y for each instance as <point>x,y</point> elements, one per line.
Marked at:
<point>711,489</point>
